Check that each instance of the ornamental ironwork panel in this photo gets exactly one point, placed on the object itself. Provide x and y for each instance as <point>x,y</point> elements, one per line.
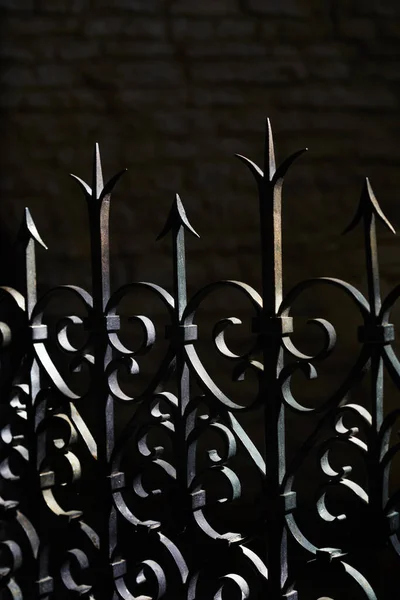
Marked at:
<point>160,490</point>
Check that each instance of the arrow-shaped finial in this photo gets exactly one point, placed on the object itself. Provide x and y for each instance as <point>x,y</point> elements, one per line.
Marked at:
<point>368,204</point>
<point>176,219</point>
<point>368,210</point>
<point>271,173</point>
<point>98,191</point>
<point>28,235</point>
<point>270,184</point>
<point>269,157</point>
<point>28,230</point>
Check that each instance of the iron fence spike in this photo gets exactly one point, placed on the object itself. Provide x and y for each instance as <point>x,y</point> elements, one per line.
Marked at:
<point>28,230</point>
<point>368,204</point>
<point>176,218</point>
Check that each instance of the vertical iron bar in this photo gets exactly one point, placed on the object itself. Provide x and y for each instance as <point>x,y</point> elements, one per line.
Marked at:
<point>98,201</point>
<point>99,209</point>
<point>376,373</point>
<point>176,223</point>
<point>375,335</point>
<point>271,256</point>
<point>182,370</point>
<point>271,329</point>
<point>29,236</point>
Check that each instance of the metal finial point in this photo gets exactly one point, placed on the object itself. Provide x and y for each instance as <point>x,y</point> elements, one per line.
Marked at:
<point>28,229</point>
<point>101,190</point>
<point>269,151</point>
<point>176,218</point>
<point>376,207</point>
<point>368,203</point>
<point>97,182</point>
<point>271,173</point>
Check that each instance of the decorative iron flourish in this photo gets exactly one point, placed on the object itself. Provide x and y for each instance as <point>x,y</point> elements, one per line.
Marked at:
<point>151,505</point>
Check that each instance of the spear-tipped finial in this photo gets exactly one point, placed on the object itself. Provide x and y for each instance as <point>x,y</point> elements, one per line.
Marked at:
<point>368,205</point>
<point>367,212</point>
<point>98,191</point>
<point>28,235</point>
<point>271,173</point>
<point>28,230</point>
<point>176,218</point>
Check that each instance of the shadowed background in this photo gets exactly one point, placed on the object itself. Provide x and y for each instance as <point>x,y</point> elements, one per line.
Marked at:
<point>171,90</point>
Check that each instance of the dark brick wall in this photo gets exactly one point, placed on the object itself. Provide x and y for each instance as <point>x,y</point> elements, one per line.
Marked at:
<point>172,89</point>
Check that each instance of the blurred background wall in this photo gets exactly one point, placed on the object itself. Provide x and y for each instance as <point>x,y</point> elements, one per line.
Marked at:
<point>172,89</point>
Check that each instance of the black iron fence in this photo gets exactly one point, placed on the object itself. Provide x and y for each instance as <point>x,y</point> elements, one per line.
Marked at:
<point>176,499</point>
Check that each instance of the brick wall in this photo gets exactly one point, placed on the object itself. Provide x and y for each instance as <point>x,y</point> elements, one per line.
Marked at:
<point>172,89</point>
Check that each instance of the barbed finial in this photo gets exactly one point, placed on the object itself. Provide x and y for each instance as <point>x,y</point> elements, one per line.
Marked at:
<point>368,205</point>
<point>176,218</point>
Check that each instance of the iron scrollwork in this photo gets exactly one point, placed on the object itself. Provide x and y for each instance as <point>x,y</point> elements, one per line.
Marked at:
<point>146,509</point>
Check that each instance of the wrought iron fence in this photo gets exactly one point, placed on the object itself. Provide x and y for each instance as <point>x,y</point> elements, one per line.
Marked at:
<point>146,509</point>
